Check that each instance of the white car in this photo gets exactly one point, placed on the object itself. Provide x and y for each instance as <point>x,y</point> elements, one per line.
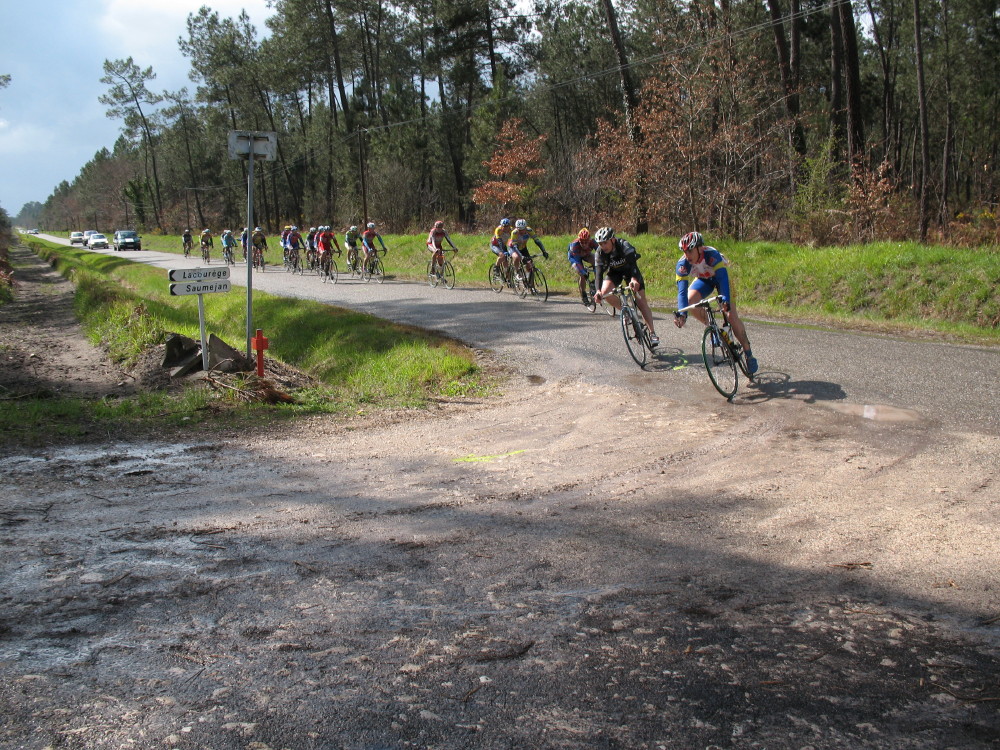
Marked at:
<point>75,237</point>
<point>86,236</point>
<point>97,240</point>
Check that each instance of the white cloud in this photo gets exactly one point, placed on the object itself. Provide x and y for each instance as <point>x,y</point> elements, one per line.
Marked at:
<point>148,30</point>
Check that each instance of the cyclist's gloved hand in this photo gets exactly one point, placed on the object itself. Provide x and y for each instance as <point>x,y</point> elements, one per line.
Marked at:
<point>724,302</point>
<point>545,255</point>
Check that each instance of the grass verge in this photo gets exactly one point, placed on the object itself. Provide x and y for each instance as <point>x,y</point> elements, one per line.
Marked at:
<point>358,360</point>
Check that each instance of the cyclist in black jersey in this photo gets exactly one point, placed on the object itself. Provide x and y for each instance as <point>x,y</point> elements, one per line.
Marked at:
<point>616,260</point>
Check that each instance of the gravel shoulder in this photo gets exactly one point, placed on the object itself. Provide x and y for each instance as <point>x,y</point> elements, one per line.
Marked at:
<point>567,565</point>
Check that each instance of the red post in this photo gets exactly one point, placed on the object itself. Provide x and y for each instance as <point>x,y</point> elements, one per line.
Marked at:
<point>259,344</point>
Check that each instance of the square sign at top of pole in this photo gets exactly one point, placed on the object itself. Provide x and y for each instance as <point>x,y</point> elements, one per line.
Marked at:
<point>263,143</point>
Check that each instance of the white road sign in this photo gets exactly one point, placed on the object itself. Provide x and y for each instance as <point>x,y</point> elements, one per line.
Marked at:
<point>199,287</point>
<point>199,274</point>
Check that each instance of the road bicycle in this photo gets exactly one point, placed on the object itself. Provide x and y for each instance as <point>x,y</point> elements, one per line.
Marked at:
<point>206,251</point>
<point>258,259</point>
<point>227,256</point>
<point>328,267</point>
<point>533,280</point>
<point>720,348</point>
<point>591,304</point>
<point>502,276</point>
<point>293,262</point>
<point>441,271</point>
<point>634,328</point>
<point>188,247</point>
<point>312,261</point>
<point>372,268</point>
<point>353,264</point>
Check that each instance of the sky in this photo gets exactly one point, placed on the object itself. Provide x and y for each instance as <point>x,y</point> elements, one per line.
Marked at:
<point>51,122</point>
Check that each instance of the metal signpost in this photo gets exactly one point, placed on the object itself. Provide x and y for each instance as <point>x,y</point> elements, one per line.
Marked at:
<point>200,281</point>
<point>245,144</point>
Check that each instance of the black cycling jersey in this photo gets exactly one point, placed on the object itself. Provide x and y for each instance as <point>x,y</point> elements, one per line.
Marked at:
<point>618,263</point>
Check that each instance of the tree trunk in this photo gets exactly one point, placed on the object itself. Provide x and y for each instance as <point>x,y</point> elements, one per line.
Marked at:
<point>925,148</point>
<point>631,104</point>
<point>852,80</point>
<point>797,136</point>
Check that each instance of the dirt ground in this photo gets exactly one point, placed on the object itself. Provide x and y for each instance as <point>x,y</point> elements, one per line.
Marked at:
<point>560,566</point>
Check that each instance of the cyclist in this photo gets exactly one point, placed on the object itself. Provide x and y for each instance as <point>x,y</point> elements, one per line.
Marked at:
<point>708,267</point>
<point>618,258</point>
<point>580,252</point>
<point>326,241</point>
<point>498,244</point>
<point>188,242</point>
<point>311,247</point>
<point>294,243</point>
<point>351,237</point>
<point>259,241</point>
<point>206,241</point>
<point>435,241</point>
<point>518,243</point>
<point>368,238</point>
<point>228,243</point>
<point>244,241</point>
<point>284,240</point>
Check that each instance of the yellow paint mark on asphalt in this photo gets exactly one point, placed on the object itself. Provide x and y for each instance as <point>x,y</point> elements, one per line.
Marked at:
<point>472,458</point>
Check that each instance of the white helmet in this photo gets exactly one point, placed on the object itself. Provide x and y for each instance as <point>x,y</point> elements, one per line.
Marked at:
<point>312,229</point>
<point>521,224</point>
<point>371,224</point>
<point>353,228</point>
<point>604,234</point>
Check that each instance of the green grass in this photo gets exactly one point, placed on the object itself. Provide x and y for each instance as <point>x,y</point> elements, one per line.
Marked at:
<point>357,358</point>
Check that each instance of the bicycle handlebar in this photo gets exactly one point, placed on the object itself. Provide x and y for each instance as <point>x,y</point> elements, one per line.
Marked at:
<point>701,303</point>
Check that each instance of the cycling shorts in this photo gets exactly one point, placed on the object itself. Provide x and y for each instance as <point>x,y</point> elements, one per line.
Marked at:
<point>617,275</point>
<point>498,249</point>
<point>705,287</point>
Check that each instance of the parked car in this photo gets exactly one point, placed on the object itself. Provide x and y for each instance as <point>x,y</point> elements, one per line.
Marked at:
<point>97,240</point>
<point>86,236</point>
<point>126,239</point>
<point>75,237</point>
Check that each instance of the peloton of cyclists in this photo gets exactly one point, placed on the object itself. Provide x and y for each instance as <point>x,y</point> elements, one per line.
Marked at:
<point>580,255</point>
<point>618,259</point>
<point>435,242</point>
<point>708,268</point>
<point>518,244</point>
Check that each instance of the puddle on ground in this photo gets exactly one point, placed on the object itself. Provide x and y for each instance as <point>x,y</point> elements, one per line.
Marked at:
<point>121,460</point>
<point>875,412</point>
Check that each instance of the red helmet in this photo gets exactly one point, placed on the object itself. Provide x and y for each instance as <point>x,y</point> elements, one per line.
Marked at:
<point>583,235</point>
<point>691,240</point>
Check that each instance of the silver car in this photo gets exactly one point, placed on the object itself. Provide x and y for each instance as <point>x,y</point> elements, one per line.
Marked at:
<point>97,240</point>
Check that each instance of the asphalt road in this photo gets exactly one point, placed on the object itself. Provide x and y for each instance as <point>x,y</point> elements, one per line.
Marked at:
<point>875,376</point>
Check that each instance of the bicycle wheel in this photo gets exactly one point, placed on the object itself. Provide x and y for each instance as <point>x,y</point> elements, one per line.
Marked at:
<point>739,355</point>
<point>297,266</point>
<point>432,273</point>
<point>378,271</point>
<point>536,285</point>
<point>720,363</point>
<point>331,273</point>
<point>633,333</point>
<point>496,279</point>
<point>449,275</point>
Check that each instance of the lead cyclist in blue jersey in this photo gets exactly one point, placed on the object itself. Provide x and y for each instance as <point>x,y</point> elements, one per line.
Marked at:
<point>708,268</point>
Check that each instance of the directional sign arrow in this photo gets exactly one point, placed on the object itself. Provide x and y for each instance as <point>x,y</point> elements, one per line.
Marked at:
<point>199,274</point>
<point>199,287</point>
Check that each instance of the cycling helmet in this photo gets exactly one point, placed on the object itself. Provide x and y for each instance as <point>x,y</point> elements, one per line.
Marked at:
<point>521,224</point>
<point>691,240</point>
<point>257,229</point>
<point>583,235</point>
<point>439,225</point>
<point>313,229</point>
<point>353,228</point>
<point>505,222</point>
<point>288,227</point>
<point>604,234</point>
<point>295,229</point>
<point>204,231</point>
<point>371,225</point>
<point>227,231</point>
